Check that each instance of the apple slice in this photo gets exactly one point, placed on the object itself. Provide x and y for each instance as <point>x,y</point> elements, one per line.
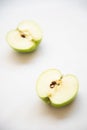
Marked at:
<point>56,89</point>
<point>26,37</point>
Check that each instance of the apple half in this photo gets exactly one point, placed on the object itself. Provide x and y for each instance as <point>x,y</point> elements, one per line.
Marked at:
<point>57,89</point>
<point>26,37</point>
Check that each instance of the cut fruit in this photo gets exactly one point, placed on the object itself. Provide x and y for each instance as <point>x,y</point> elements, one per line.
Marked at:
<point>26,37</point>
<point>56,89</point>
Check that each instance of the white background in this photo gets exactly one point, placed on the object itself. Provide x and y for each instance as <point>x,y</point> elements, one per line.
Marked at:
<point>64,46</point>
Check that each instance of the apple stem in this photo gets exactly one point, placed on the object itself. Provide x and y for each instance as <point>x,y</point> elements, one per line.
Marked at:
<point>58,82</point>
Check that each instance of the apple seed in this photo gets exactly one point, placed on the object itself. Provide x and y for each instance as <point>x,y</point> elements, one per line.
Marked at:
<point>22,35</point>
<point>58,82</point>
<point>53,83</point>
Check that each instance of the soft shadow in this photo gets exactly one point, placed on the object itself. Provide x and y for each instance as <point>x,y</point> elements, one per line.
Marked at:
<point>23,58</point>
<point>59,113</point>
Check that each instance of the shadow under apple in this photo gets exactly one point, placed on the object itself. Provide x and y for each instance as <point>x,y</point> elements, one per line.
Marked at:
<point>23,58</point>
<point>59,113</point>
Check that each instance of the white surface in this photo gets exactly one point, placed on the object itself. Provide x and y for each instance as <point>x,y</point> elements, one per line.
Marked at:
<point>64,46</point>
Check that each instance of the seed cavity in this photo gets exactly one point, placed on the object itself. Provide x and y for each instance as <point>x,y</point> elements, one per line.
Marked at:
<point>57,82</point>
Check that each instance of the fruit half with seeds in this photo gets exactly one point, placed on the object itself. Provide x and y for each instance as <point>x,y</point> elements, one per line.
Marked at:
<point>57,89</point>
<point>26,37</point>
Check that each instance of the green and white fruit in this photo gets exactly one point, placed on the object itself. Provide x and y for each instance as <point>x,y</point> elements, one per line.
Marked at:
<point>26,37</point>
<point>56,89</point>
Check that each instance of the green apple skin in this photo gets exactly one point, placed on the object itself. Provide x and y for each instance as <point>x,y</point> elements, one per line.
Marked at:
<point>48,101</point>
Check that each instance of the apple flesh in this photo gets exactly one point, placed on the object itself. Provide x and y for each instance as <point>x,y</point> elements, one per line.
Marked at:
<point>56,89</point>
<point>26,37</point>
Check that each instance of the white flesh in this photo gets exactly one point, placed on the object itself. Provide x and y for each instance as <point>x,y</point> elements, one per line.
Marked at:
<point>16,41</point>
<point>59,94</point>
<point>31,28</point>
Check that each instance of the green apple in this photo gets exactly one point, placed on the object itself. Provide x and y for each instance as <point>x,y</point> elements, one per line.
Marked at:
<point>26,37</point>
<point>56,89</point>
